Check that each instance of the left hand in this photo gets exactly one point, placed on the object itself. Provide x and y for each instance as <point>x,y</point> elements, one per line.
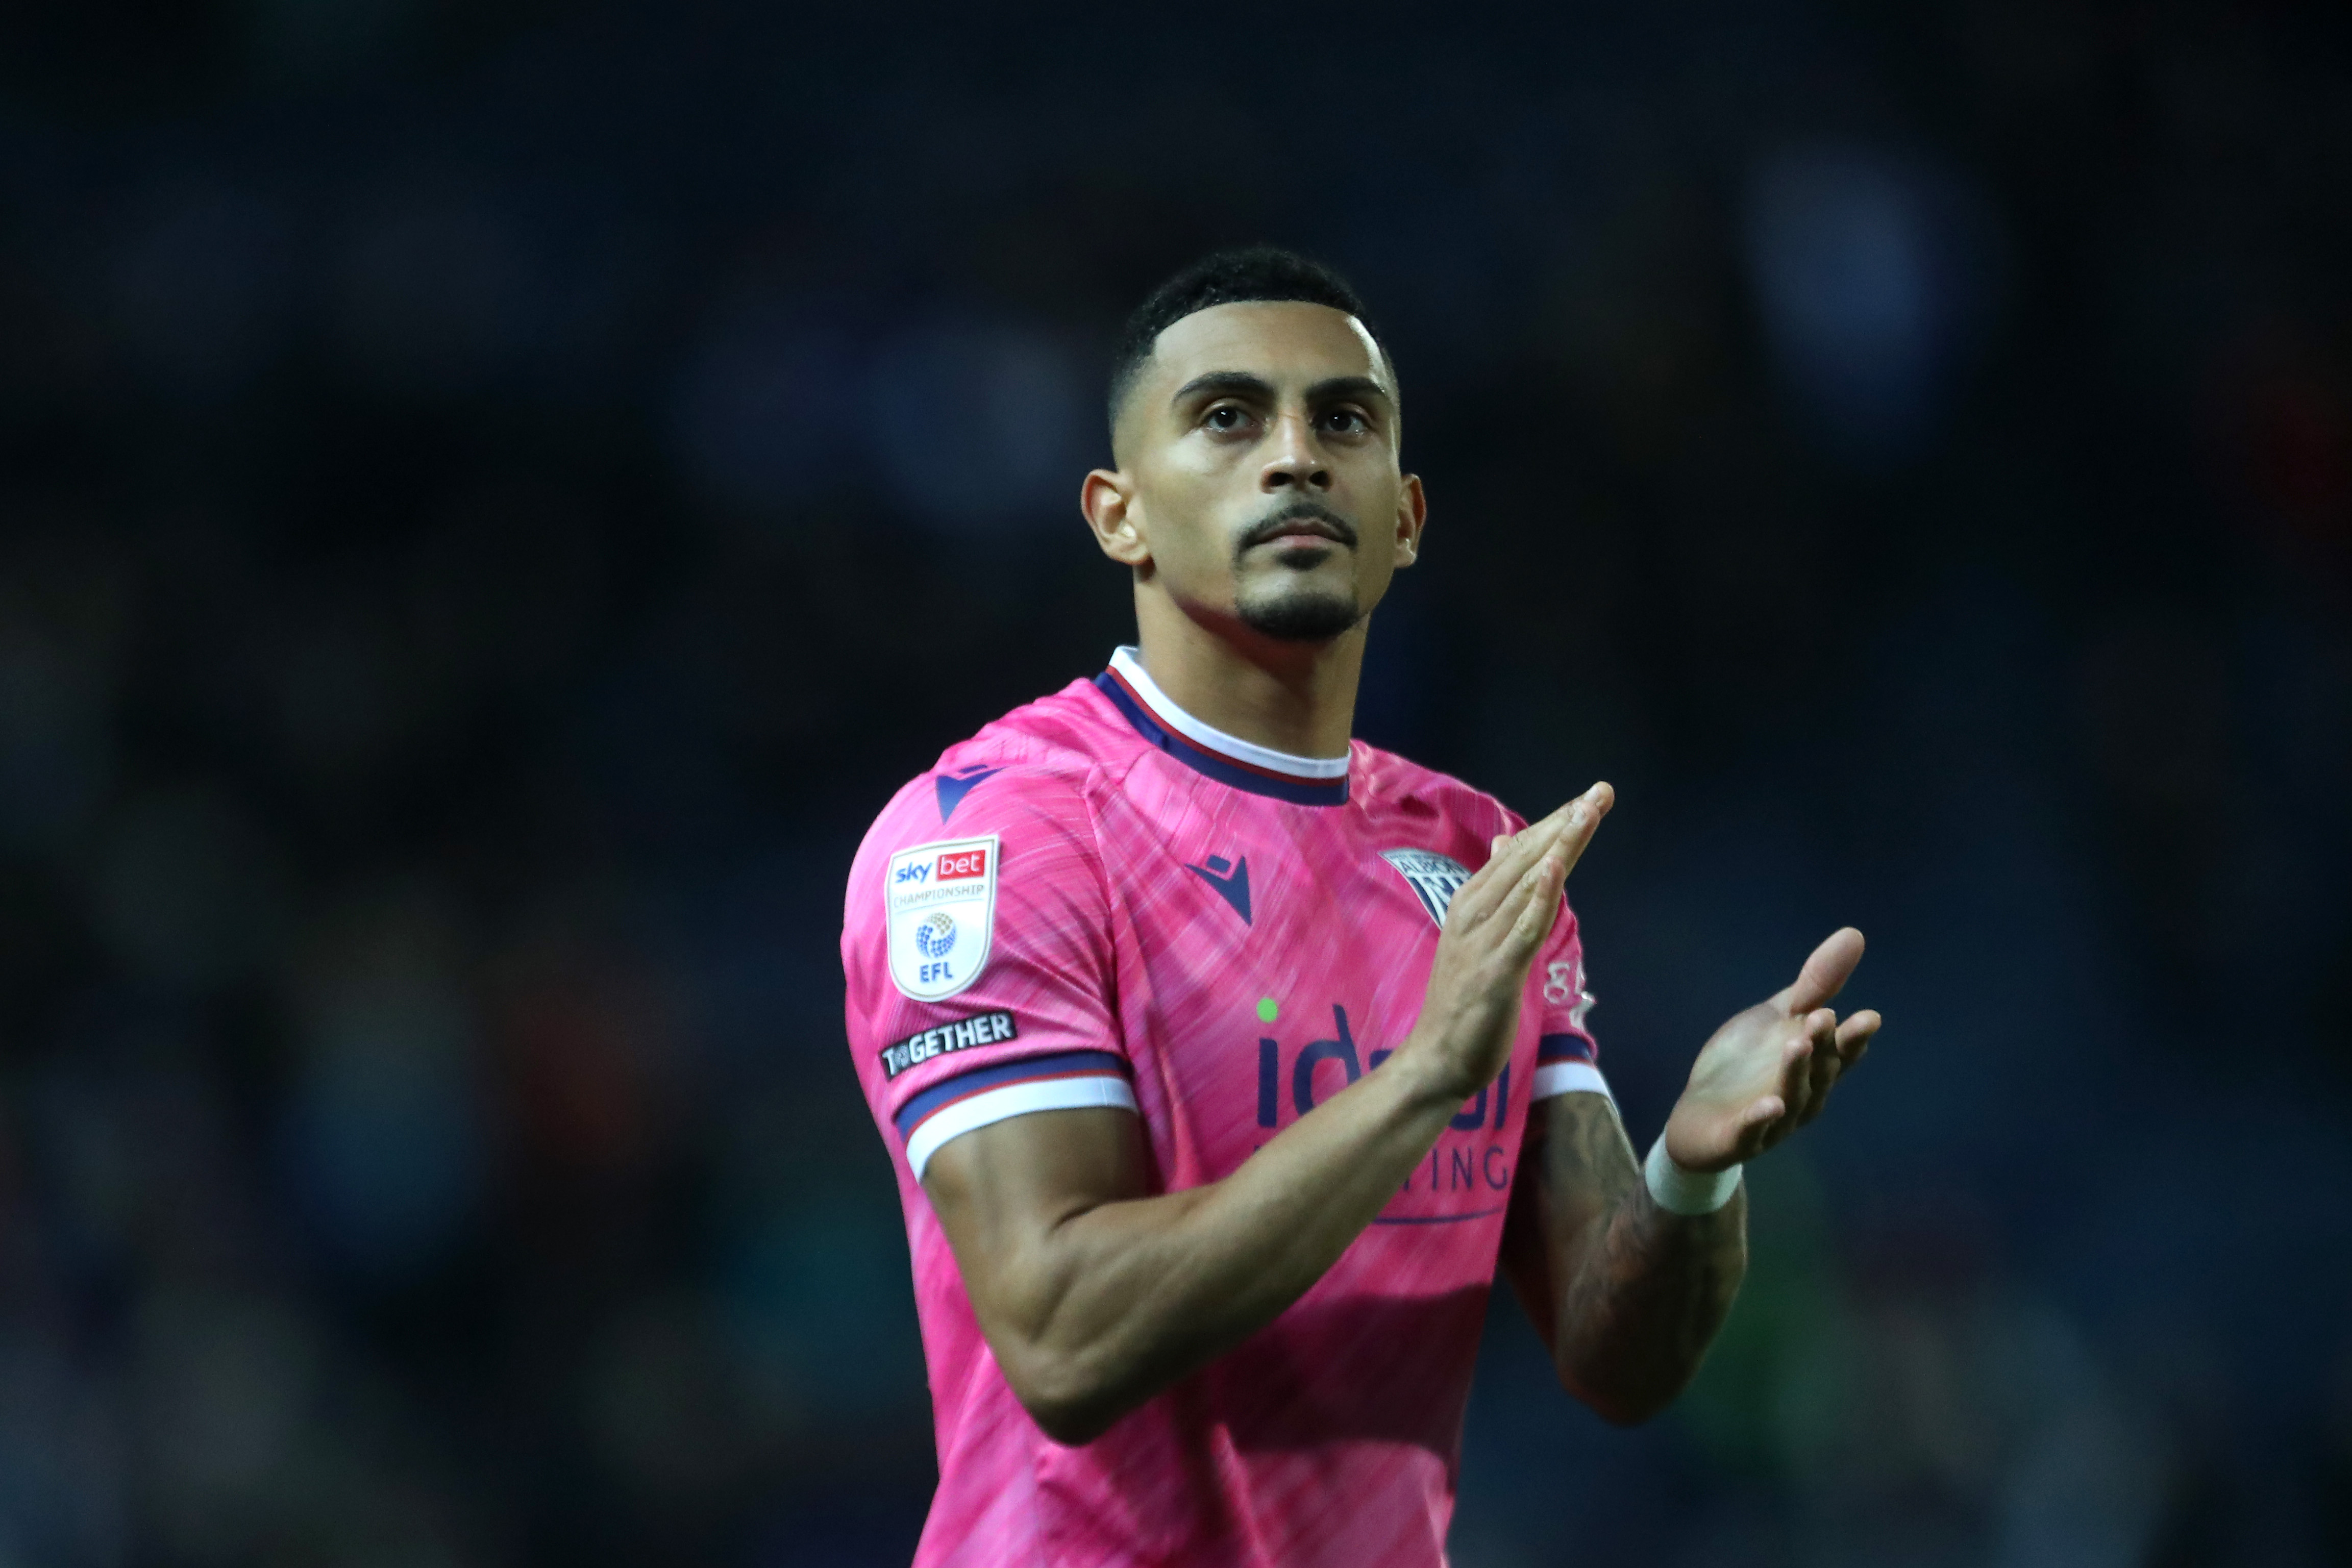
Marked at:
<point>1770,1070</point>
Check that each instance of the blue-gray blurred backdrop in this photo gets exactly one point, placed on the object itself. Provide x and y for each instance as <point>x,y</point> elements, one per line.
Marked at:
<point>494,497</point>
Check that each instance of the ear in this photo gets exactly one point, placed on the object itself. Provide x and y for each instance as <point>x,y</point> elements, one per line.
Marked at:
<point>1108,499</point>
<point>1412,511</point>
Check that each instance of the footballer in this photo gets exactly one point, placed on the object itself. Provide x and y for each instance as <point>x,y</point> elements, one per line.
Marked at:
<point>1224,1059</point>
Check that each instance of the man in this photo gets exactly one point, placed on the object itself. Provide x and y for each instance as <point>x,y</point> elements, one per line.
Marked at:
<point>1218,1083</point>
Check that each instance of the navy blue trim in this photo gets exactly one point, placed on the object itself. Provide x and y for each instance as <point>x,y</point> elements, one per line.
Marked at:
<point>1563,1048</point>
<point>920,1109</point>
<point>1223,769</point>
<point>1440,1219</point>
<point>953,786</point>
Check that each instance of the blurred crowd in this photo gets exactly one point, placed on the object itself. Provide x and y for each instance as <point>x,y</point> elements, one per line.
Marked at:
<point>494,498</point>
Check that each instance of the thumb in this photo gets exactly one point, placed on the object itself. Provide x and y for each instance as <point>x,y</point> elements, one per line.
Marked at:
<point>1824,974</point>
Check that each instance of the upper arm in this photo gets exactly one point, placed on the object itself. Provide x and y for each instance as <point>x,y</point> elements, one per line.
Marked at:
<point>1001,1191</point>
<point>1007,1090</point>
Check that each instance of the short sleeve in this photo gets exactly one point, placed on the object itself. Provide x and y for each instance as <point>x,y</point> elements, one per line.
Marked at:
<point>1567,1059</point>
<point>977,951</point>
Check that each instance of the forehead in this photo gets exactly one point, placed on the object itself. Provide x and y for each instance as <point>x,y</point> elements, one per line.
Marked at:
<point>1288,343</point>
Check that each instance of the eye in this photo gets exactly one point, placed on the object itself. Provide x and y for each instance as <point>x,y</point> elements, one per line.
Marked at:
<point>1346,421</point>
<point>1226,416</point>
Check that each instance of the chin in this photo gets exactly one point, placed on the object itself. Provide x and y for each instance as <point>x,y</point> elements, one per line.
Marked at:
<point>1301,616</point>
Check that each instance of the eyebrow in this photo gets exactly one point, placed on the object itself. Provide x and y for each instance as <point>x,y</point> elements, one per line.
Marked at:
<point>1224,384</point>
<point>1242,383</point>
<point>1363,388</point>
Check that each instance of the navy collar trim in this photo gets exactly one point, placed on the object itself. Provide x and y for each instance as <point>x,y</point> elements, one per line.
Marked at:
<point>1215,764</point>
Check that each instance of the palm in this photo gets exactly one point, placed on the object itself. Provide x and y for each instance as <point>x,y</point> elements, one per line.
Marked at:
<point>1768,1070</point>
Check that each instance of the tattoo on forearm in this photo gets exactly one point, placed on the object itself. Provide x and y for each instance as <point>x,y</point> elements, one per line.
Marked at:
<point>1641,1291</point>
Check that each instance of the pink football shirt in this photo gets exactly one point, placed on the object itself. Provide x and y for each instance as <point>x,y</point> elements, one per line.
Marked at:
<point>1099,901</point>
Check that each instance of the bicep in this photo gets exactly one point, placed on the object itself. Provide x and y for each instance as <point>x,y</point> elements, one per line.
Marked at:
<point>1575,1166</point>
<point>1002,1191</point>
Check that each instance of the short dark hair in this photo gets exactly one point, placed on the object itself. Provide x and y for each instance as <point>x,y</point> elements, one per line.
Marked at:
<point>1242,275</point>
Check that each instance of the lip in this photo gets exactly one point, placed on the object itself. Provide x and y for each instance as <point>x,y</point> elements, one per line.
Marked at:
<point>1307,529</point>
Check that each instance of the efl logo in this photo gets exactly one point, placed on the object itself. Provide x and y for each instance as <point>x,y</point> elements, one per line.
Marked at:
<point>962,865</point>
<point>943,914</point>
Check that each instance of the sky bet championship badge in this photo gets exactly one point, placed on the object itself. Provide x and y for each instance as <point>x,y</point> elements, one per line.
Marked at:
<point>1435,878</point>
<point>942,915</point>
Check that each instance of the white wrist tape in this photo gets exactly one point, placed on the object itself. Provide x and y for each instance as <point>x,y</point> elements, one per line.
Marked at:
<point>1680,1191</point>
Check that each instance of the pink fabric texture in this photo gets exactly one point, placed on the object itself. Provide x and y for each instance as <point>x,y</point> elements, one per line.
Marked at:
<point>1220,939</point>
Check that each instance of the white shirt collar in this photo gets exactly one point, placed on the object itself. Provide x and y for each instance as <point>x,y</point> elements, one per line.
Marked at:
<point>1128,665</point>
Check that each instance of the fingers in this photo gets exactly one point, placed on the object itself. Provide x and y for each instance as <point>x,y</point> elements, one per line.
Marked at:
<point>1587,809</point>
<point>1810,1064</point>
<point>1798,1060</point>
<point>1854,1035</point>
<point>1508,857</point>
<point>1824,974</point>
<point>1511,855</point>
<point>1534,905</point>
<point>1539,906</point>
<point>1493,883</point>
<point>1569,827</point>
<point>1823,1062</point>
<point>1756,1126</point>
<point>1832,1050</point>
<point>1814,1050</point>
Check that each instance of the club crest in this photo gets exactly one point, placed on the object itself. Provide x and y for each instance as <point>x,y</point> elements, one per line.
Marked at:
<point>1433,878</point>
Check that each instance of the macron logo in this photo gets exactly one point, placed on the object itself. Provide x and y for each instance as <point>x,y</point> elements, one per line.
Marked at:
<point>953,786</point>
<point>1231,880</point>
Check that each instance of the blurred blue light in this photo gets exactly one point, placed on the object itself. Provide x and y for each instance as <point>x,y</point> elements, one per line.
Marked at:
<point>442,288</point>
<point>979,426</point>
<point>1872,273</point>
<point>764,413</point>
<point>205,289</point>
<point>384,1133</point>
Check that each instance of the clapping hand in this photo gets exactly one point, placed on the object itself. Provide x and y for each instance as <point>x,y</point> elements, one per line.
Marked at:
<point>1770,1070</point>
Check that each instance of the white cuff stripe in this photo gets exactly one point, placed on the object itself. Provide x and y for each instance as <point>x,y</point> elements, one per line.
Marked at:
<point>1570,1078</point>
<point>1015,1100</point>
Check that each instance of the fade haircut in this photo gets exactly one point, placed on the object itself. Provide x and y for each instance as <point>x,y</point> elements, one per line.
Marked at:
<point>1246,276</point>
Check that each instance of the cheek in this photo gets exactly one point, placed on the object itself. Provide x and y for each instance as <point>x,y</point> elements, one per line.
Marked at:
<point>1187,545</point>
<point>1188,512</point>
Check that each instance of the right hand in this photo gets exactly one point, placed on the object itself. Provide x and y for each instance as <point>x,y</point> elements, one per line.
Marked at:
<point>1494,928</point>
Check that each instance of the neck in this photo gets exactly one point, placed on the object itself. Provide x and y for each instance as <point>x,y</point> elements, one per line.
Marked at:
<point>1294,697</point>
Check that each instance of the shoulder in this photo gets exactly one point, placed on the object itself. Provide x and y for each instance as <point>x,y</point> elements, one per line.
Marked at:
<point>1030,779</point>
<point>1388,785</point>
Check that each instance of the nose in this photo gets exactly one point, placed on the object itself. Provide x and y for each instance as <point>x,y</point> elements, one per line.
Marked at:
<point>1294,462</point>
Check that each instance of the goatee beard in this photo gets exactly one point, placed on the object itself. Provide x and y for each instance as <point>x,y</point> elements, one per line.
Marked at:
<point>1301,617</point>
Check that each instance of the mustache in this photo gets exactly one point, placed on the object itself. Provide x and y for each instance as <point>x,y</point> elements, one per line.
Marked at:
<point>1275,523</point>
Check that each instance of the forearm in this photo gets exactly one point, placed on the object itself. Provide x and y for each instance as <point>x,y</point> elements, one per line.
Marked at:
<point>1627,1295</point>
<point>1639,1312</point>
<point>1630,1294</point>
<point>1121,1299</point>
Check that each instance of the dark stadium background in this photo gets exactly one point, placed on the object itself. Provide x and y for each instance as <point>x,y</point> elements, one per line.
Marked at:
<point>494,497</point>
